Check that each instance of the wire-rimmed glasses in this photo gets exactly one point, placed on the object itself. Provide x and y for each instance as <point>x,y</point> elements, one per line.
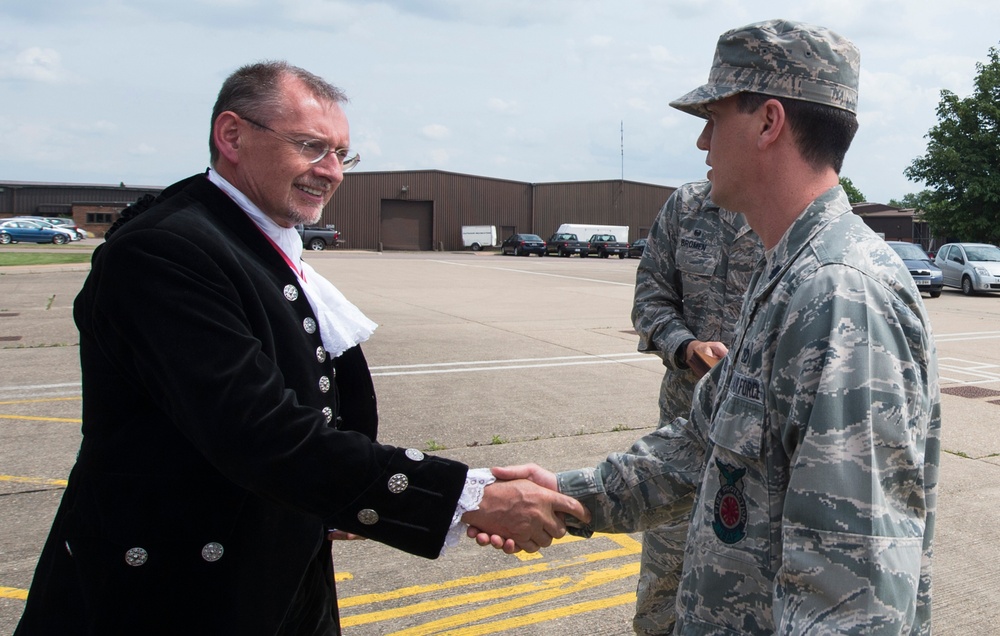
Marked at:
<point>314,150</point>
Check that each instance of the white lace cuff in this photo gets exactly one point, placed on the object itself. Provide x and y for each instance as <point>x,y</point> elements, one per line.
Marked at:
<point>476,480</point>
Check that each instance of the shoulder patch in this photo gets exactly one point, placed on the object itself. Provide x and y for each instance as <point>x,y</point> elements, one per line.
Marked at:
<point>730,522</point>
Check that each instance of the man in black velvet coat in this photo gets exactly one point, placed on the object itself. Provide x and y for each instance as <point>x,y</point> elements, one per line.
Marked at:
<point>226,431</point>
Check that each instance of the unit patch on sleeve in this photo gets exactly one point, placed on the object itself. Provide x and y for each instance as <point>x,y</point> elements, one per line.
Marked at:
<point>730,523</point>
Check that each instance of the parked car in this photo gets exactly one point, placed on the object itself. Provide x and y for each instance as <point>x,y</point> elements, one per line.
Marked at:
<point>57,222</point>
<point>68,224</point>
<point>523,245</point>
<point>925,274</point>
<point>70,234</point>
<point>15,231</point>
<point>970,267</point>
<point>636,249</point>
<point>565,243</point>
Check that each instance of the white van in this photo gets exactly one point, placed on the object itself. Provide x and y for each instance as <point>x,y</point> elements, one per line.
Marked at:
<point>584,231</point>
<point>479,236</point>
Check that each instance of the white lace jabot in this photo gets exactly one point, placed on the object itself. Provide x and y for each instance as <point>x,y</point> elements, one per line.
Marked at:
<point>341,324</point>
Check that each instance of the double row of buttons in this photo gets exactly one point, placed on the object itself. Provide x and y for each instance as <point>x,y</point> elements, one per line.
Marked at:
<point>291,293</point>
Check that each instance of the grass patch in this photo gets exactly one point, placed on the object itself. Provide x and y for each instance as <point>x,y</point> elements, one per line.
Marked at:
<point>43,258</point>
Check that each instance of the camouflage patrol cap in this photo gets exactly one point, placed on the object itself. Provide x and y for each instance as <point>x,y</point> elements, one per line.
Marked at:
<point>782,59</point>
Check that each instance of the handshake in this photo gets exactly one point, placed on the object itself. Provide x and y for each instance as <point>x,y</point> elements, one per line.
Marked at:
<point>522,510</point>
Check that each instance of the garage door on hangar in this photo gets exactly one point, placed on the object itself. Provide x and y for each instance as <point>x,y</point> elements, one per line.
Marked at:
<point>407,225</point>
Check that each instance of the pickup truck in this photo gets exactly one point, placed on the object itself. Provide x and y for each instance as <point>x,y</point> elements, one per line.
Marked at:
<point>565,244</point>
<point>318,237</point>
<point>605,245</point>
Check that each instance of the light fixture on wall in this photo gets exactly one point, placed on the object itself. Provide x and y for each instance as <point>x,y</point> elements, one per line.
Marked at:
<point>403,191</point>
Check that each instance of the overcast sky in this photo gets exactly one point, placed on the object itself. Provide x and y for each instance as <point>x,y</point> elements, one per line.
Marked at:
<point>529,90</point>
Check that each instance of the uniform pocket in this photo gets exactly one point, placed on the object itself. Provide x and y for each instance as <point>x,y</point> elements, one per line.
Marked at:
<point>735,502</point>
<point>739,421</point>
<point>140,524</point>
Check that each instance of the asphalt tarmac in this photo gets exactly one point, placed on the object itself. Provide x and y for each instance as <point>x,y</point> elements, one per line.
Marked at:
<point>493,360</point>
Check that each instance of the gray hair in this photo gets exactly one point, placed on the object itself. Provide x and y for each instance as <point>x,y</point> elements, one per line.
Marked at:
<point>255,91</point>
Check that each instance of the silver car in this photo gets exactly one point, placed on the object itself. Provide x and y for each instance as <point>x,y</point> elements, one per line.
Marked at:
<point>972,267</point>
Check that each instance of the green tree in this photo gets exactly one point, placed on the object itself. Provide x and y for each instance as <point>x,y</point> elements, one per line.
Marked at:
<point>853,194</point>
<point>912,200</point>
<point>962,164</point>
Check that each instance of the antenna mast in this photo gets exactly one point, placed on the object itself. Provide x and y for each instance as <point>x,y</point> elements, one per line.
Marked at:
<point>623,148</point>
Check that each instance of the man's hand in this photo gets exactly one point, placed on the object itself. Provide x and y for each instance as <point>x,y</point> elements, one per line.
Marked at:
<point>702,356</point>
<point>341,535</point>
<point>531,472</point>
<point>561,505</point>
<point>520,514</point>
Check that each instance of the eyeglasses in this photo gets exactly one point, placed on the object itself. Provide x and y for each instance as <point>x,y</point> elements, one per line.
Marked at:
<point>314,150</point>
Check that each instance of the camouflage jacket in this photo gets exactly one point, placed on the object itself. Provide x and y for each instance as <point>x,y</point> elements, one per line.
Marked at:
<point>690,284</point>
<point>811,456</point>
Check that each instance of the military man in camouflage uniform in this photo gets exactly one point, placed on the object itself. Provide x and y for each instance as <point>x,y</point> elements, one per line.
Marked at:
<point>689,288</point>
<point>809,465</point>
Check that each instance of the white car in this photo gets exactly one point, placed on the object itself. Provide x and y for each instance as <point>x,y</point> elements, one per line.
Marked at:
<point>971,267</point>
<point>68,224</point>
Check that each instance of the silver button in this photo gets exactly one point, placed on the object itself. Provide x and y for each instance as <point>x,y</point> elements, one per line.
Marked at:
<point>212,551</point>
<point>136,557</point>
<point>368,517</point>
<point>320,354</point>
<point>309,325</point>
<point>324,384</point>
<point>291,293</point>
<point>328,414</point>
<point>414,454</point>
<point>398,483</point>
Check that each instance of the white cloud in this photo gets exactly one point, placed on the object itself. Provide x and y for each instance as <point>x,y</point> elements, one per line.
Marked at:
<point>661,54</point>
<point>142,149</point>
<point>436,132</point>
<point>503,106</point>
<point>637,103</point>
<point>34,64</point>
<point>438,158</point>
<point>100,127</point>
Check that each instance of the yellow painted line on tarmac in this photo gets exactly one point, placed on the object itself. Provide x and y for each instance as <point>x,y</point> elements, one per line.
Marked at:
<point>342,576</point>
<point>38,400</point>
<point>629,546</point>
<point>34,418</point>
<point>72,420</point>
<point>541,617</point>
<point>589,580</point>
<point>13,592</point>
<point>452,601</point>
<point>34,480</point>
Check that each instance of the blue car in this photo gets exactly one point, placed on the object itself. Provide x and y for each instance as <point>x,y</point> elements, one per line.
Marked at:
<point>29,232</point>
<point>925,273</point>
